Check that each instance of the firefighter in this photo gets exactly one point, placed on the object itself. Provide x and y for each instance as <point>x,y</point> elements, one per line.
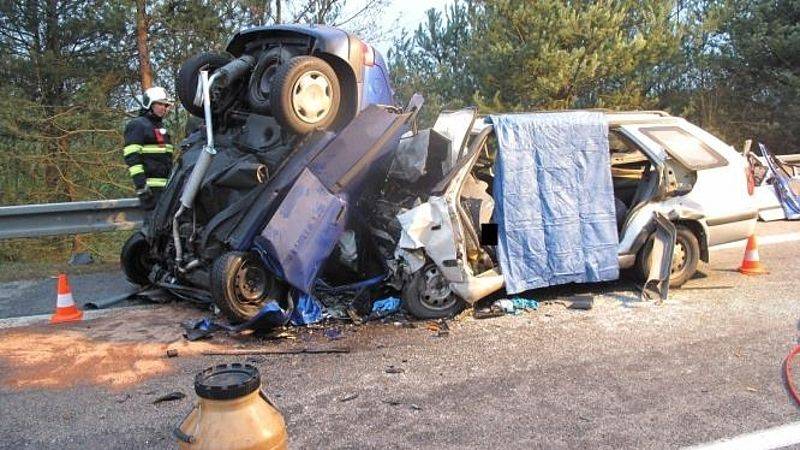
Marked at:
<point>148,149</point>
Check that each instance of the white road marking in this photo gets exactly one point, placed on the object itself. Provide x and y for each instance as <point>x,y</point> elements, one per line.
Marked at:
<point>22,321</point>
<point>771,438</point>
<point>762,240</point>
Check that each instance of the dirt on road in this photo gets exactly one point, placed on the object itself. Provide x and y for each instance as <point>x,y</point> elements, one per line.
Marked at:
<point>117,350</point>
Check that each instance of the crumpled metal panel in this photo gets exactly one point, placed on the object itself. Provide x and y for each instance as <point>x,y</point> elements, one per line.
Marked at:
<point>429,226</point>
<point>455,125</point>
<point>303,231</point>
<point>359,149</point>
<point>555,200</point>
<point>305,228</point>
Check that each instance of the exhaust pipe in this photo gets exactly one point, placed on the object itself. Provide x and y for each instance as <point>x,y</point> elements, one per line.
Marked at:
<point>235,69</point>
<point>200,167</point>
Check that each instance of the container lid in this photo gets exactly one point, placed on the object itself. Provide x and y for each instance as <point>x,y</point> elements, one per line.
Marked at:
<point>227,381</point>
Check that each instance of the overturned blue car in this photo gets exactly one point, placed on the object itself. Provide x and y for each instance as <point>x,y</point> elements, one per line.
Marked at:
<point>298,122</point>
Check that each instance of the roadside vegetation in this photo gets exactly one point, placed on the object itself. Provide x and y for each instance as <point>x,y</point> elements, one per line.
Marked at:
<point>70,69</point>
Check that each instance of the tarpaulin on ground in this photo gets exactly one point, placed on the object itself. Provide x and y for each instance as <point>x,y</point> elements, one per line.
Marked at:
<point>554,200</point>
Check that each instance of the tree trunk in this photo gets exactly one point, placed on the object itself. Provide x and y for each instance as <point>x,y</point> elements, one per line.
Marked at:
<point>142,25</point>
<point>278,11</point>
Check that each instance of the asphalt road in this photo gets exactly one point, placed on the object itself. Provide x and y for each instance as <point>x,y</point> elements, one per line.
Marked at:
<point>703,366</point>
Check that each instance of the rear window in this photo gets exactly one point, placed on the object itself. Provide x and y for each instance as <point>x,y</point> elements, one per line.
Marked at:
<point>686,148</point>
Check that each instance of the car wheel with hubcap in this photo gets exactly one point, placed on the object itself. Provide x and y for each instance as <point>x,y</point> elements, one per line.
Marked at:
<point>427,295</point>
<point>305,94</point>
<point>241,286</point>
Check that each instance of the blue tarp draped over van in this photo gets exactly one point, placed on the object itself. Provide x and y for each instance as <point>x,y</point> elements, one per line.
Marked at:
<point>555,200</point>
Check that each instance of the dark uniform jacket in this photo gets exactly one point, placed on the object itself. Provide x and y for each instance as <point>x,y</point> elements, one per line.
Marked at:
<point>148,151</point>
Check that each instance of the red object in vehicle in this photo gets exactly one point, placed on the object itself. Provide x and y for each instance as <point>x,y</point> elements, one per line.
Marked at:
<point>369,54</point>
<point>751,182</point>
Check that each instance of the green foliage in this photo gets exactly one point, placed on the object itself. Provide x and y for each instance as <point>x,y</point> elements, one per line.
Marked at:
<point>510,55</point>
<point>759,72</point>
<point>731,66</point>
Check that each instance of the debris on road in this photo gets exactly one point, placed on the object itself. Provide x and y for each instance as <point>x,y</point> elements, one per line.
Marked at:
<point>515,305</point>
<point>412,406</point>
<point>487,313</point>
<point>705,288</point>
<point>347,398</point>
<point>393,369</point>
<point>261,351</point>
<point>583,302</point>
<point>385,307</point>
<point>172,352</point>
<point>172,396</point>
<point>333,334</point>
<point>439,328</point>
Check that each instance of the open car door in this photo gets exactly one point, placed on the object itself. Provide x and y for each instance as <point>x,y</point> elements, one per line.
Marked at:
<point>659,258</point>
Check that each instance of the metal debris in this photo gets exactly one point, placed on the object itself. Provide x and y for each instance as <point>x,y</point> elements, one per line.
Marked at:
<point>177,395</point>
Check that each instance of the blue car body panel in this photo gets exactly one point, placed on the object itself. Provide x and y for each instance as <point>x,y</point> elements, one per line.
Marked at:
<point>297,239</point>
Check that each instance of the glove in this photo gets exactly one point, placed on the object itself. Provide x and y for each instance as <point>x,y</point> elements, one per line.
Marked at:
<point>146,198</point>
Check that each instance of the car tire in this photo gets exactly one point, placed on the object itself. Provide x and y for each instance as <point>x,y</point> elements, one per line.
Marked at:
<point>427,295</point>
<point>241,285</point>
<point>135,259</point>
<point>684,260</point>
<point>189,81</point>
<point>260,84</point>
<point>305,95</point>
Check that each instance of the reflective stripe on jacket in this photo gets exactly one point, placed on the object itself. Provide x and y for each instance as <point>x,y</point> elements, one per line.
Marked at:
<point>148,151</point>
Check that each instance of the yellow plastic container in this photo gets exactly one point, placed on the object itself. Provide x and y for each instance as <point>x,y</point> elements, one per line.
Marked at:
<point>232,412</point>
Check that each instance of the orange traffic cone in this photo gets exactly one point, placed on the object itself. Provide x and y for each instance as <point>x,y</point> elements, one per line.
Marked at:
<point>751,265</point>
<point>66,311</point>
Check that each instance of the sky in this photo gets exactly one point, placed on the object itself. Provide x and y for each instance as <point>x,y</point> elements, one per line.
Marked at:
<point>408,14</point>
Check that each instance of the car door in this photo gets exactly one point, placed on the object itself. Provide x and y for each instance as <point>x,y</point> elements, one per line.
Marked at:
<point>719,192</point>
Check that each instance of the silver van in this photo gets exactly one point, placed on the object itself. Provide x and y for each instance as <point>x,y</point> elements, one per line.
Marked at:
<point>678,190</point>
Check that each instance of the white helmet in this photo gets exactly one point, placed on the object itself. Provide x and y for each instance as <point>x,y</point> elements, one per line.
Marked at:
<point>155,94</point>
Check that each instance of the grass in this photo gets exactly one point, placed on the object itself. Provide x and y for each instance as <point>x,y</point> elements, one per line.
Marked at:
<point>31,258</point>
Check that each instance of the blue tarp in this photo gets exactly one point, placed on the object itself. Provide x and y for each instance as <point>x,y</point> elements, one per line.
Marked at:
<point>554,200</point>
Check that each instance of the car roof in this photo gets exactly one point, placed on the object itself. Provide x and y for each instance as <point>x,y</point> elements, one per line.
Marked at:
<point>615,118</point>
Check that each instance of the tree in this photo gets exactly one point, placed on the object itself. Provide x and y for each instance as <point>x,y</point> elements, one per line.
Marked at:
<point>758,63</point>
<point>60,60</point>
<point>142,33</point>
<point>518,55</point>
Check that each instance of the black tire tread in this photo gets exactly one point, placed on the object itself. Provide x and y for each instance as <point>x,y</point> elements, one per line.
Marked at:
<point>129,259</point>
<point>186,84</point>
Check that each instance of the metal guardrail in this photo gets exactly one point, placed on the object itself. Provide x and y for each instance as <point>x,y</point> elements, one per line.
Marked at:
<point>54,219</point>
